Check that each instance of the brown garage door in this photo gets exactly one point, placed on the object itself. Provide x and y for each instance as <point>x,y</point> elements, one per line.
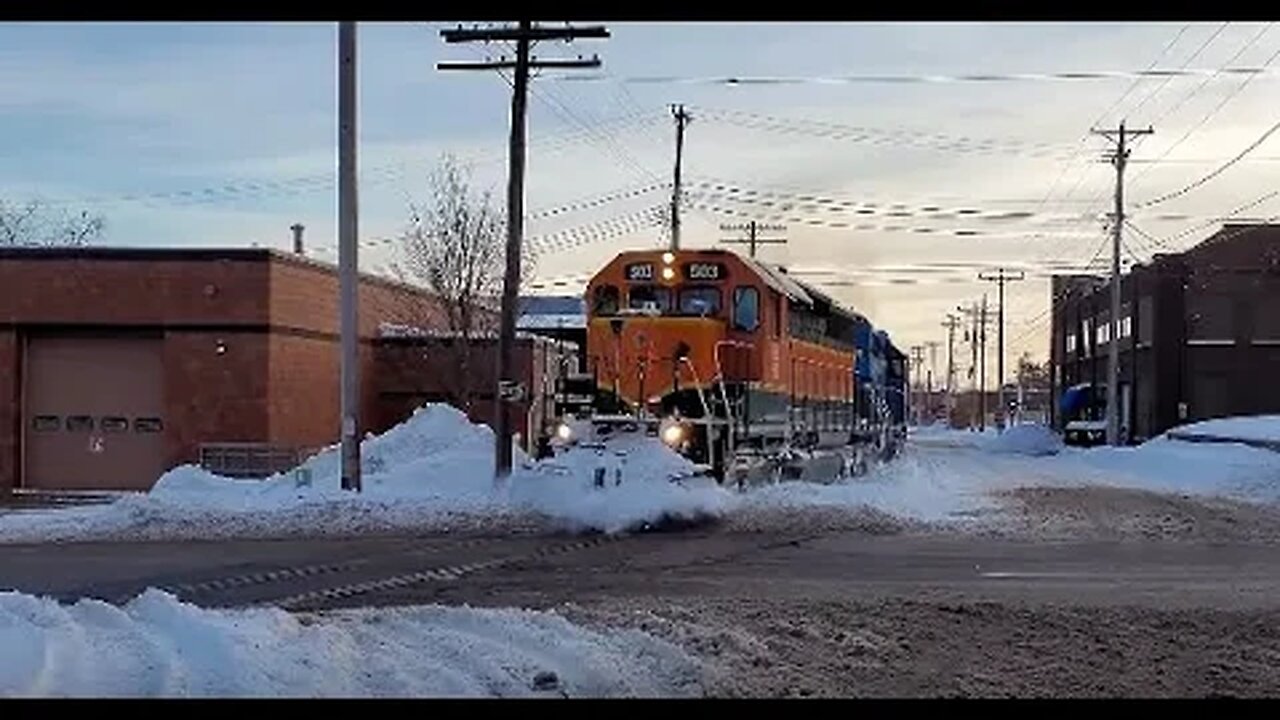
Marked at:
<point>93,413</point>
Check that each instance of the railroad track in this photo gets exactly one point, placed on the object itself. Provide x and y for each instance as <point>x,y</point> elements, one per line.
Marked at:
<point>341,587</point>
<point>277,587</point>
<point>448,573</point>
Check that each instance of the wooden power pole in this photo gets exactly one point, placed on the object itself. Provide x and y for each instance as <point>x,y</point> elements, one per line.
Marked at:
<point>752,240</point>
<point>348,246</point>
<point>1000,278</point>
<point>682,120</point>
<point>524,36</point>
<point>1119,158</point>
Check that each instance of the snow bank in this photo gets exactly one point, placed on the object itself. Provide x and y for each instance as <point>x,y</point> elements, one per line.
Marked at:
<point>1024,439</point>
<point>914,486</point>
<point>433,471</point>
<point>1019,439</point>
<point>1257,428</point>
<point>1173,466</point>
<point>157,646</point>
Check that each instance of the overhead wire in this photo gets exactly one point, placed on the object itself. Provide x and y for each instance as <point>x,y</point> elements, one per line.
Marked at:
<point>1169,149</point>
<point>1086,136</point>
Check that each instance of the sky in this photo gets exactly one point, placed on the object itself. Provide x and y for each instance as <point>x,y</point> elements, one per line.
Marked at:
<point>894,194</point>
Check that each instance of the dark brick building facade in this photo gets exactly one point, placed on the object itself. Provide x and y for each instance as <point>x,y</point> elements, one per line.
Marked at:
<point>117,364</point>
<point>1199,334</point>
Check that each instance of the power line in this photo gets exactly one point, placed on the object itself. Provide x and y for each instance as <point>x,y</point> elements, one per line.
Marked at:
<point>1215,173</point>
<point>876,136</point>
<point>1190,58</point>
<point>1137,81</point>
<point>902,79</point>
<point>1080,179</point>
<point>1188,231</point>
<point>1200,87</point>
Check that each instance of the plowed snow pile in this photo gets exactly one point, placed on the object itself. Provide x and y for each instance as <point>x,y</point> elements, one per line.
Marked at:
<point>433,471</point>
<point>156,646</point>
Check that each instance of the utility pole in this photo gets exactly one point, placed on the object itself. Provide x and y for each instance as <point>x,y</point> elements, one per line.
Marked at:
<point>971,337</point>
<point>348,246</point>
<point>1000,278</point>
<point>982,366</point>
<point>752,229</point>
<point>933,370</point>
<point>682,119</point>
<point>1119,158</point>
<point>917,363</point>
<point>977,338</point>
<point>952,322</point>
<point>524,36</point>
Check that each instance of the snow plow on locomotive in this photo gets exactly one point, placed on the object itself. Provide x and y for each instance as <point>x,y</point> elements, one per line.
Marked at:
<point>735,364</point>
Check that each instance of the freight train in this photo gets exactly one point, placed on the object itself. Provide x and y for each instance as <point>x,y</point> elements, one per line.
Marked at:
<point>732,361</point>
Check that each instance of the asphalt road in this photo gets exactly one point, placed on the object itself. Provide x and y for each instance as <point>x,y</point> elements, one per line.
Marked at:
<point>541,571</point>
<point>774,614</point>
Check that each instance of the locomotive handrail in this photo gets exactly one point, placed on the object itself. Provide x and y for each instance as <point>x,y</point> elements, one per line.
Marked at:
<point>724,394</point>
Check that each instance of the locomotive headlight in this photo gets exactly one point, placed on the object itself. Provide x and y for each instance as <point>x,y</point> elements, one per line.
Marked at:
<point>564,432</point>
<point>668,258</point>
<point>673,434</point>
<point>668,274</point>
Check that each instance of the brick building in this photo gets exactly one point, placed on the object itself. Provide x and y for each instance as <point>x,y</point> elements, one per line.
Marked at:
<point>1199,335</point>
<point>414,369</point>
<point>117,364</point>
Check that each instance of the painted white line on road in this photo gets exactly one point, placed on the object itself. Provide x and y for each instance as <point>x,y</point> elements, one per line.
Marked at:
<point>1012,574</point>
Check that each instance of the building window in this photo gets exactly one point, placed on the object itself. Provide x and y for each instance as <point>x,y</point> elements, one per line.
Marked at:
<point>1071,342</point>
<point>147,425</point>
<point>746,309</point>
<point>1146,310</point>
<point>79,423</point>
<point>114,424</point>
<point>1126,327</point>
<point>1209,317</point>
<point>46,423</point>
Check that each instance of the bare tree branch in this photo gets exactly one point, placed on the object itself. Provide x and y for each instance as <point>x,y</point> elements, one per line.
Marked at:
<point>455,245</point>
<point>32,224</point>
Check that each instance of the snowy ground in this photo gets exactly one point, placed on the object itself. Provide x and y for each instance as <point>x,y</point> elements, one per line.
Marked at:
<point>156,646</point>
<point>433,473</point>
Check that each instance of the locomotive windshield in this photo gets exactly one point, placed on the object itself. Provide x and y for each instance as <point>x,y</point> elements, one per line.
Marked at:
<point>641,297</point>
<point>699,300</point>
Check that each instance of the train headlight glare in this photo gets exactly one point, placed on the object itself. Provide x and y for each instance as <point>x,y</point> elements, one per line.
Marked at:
<point>668,258</point>
<point>668,273</point>
<point>672,435</point>
<point>564,432</point>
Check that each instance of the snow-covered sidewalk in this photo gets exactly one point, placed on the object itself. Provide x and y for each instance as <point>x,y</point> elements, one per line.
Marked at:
<point>157,646</point>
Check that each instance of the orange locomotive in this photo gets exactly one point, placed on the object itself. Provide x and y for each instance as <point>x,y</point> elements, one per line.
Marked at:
<point>726,353</point>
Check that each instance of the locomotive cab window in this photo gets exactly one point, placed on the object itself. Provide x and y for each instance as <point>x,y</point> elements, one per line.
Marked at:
<point>746,309</point>
<point>699,300</point>
<point>644,296</point>
<point>606,300</point>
